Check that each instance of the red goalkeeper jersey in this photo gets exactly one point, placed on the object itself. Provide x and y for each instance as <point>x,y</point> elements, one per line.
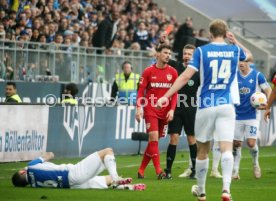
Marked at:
<point>154,83</point>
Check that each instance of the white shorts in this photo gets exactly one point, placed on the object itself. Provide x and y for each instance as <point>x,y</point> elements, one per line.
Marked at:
<point>246,129</point>
<point>98,182</point>
<point>216,123</point>
<point>84,174</point>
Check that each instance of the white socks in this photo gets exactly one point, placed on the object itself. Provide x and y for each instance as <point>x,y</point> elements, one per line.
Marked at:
<point>201,173</point>
<point>110,164</point>
<point>227,162</point>
<point>237,159</point>
<point>190,162</point>
<point>216,155</point>
<point>255,155</point>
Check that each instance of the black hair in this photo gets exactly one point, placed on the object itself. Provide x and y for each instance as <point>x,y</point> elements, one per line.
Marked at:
<point>19,180</point>
<point>126,62</point>
<point>11,83</point>
<point>73,88</point>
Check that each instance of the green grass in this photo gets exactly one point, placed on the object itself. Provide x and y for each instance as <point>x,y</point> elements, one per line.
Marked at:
<point>248,188</point>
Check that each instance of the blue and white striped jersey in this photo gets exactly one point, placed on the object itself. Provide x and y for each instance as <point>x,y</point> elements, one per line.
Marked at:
<point>46,174</point>
<point>217,64</point>
<point>253,82</point>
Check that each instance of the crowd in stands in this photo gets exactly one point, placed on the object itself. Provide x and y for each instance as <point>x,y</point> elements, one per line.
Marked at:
<point>111,25</point>
<point>122,24</point>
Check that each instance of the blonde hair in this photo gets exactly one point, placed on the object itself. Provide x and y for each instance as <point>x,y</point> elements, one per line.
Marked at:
<point>218,28</point>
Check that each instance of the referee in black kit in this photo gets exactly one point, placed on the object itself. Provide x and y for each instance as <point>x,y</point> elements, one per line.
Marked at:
<point>184,115</point>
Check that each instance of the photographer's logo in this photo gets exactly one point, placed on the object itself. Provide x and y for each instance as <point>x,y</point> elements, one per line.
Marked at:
<point>79,120</point>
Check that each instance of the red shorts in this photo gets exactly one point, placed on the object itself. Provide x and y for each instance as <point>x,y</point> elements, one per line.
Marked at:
<point>155,124</point>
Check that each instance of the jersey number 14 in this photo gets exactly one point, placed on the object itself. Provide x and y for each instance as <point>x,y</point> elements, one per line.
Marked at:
<point>222,72</point>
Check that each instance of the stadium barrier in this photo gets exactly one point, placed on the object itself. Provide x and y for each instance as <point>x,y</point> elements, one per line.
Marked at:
<point>57,62</point>
<point>68,131</point>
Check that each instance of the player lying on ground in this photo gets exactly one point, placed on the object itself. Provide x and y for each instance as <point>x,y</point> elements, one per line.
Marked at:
<point>83,175</point>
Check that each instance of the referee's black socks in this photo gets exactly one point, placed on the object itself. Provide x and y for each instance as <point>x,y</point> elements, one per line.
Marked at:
<point>193,153</point>
<point>171,151</point>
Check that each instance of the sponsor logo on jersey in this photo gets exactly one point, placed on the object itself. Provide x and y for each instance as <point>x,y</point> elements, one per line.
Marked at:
<point>160,85</point>
<point>191,83</point>
<point>169,77</point>
<point>244,90</point>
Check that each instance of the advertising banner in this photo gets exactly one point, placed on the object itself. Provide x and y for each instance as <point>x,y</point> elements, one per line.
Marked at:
<point>23,131</point>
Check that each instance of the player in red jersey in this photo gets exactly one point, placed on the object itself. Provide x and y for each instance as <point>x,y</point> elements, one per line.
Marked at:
<point>271,99</point>
<point>154,83</point>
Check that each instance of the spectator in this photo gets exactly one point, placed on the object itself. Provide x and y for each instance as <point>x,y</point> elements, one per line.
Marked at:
<point>122,37</point>
<point>202,38</point>
<point>183,36</point>
<point>11,93</point>
<point>63,26</point>
<point>106,31</point>
<point>142,36</point>
<point>7,23</point>
<point>2,32</point>
<point>9,73</point>
<point>135,46</point>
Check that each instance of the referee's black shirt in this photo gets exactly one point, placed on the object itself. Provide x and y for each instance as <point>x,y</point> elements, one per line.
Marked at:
<point>190,89</point>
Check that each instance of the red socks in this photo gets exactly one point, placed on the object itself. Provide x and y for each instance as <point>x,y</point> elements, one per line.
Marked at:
<point>151,152</point>
<point>145,161</point>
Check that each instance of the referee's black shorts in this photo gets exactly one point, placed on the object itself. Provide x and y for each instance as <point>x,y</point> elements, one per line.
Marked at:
<point>183,119</point>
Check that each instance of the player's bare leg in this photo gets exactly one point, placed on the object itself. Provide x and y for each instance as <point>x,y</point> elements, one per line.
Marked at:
<point>254,151</point>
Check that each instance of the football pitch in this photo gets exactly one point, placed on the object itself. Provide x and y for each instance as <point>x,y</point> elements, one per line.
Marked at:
<point>248,188</point>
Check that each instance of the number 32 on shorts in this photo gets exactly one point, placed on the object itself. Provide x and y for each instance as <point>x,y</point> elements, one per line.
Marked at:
<point>253,130</point>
